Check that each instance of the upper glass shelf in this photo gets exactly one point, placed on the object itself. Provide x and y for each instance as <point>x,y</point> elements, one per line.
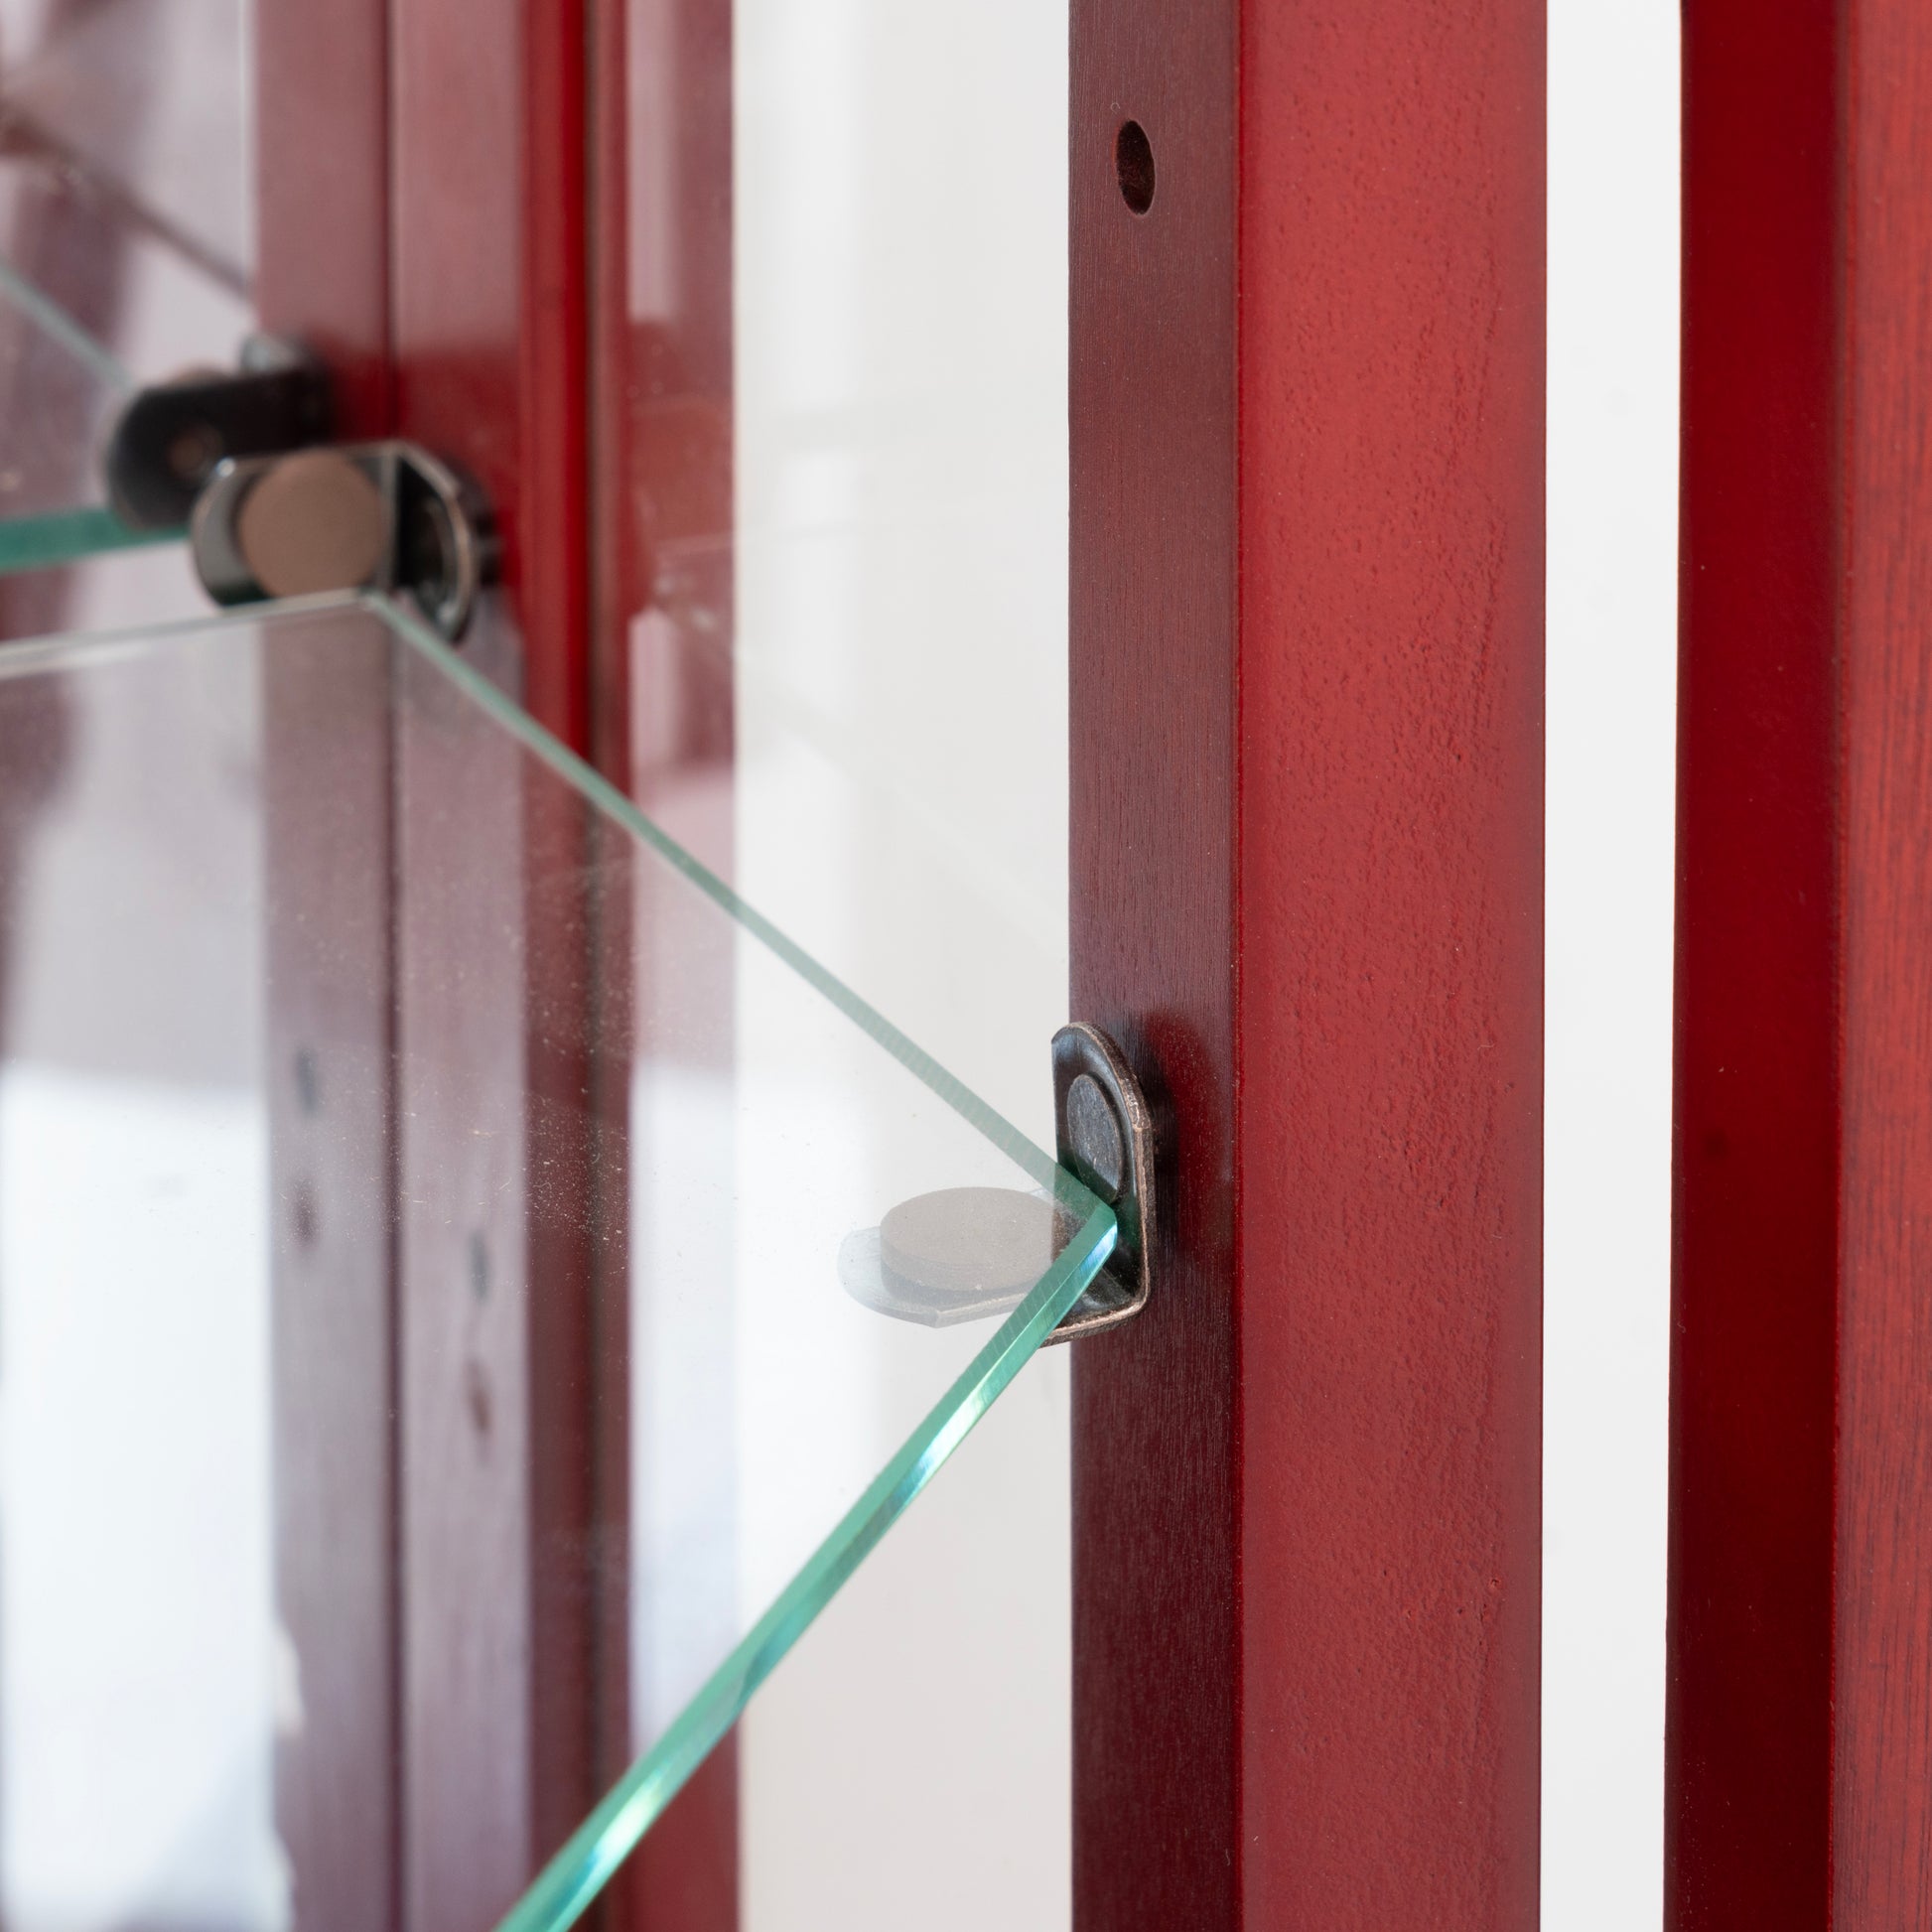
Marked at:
<point>62,393</point>
<point>101,287</point>
<point>440,1259</point>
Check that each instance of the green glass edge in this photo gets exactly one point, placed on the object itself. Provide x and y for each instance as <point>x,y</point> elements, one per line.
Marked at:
<point>68,536</point>
<point>52,537</point>
<point>572,1879</point>
<point>566,1887</point>
<point>578,1873</point>
<point>34,654</point>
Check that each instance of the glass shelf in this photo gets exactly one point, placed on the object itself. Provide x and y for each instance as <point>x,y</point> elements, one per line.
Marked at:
<point>430,1400</point>
<point>63,392</point>
<point>120,257</point>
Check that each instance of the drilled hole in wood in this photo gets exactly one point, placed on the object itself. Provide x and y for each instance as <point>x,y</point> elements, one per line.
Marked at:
<point>1134,163</point>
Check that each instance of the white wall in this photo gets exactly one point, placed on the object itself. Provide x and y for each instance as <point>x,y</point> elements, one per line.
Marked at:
<point>1613,619</point>
<point>900,689</point>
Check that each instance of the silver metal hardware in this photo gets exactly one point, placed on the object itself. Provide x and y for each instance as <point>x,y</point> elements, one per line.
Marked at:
<point>966,1254</point>
<point>273,510</point>
<point>385,517</point>
<point>1104,1135</point>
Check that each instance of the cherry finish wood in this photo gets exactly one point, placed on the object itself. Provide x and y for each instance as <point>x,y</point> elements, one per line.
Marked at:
<point>661,718</point>
<point>1153,664</point>
<point>423,198</point>
<point>1881,1865</point>
<point>489,291</point>
<point>1390,962</point>
<point>575,355</point>
<point>1799,1758</point>
<point>322,194</point>
<point>1307,404</point>
<point>1756,1087</point>
<point>331,1044</point>
<point>490,297</point>
<point>322,274</point>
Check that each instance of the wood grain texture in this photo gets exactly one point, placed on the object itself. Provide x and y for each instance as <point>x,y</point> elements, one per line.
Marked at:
<point>1151,406</point>
<point>489,299</point>
<point>472,1734</point>
<point>429,235</point>
<point>321,209</point>
<point>1389,942</point>
<point>1800,1730</point>
<point>1801,1653</point>
<point>1881,1787</point>
<point>1307,804</point>
<point>328,838</point>
<point>322,192</point>
<point>508,1594</point>
<point>661,702</point>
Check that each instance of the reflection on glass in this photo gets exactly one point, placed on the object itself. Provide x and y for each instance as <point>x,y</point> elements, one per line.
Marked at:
<point>125,252</point>
<point>831,402</point>
<point>425,1374</point>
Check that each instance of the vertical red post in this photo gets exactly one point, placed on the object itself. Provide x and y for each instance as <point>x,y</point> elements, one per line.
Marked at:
<point>1882,1857</point>
<point>491,278</point>
<point>423,201</point>
<point>1306,879</point>
<point>492,331</point>
<point>322,200</point>
<point>1800,1755</point>
<point>322,194</point>
<point>661,672</point>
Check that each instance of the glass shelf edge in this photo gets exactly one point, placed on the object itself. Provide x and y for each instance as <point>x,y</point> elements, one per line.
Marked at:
<point>586,778</point>
<point>47,541</point>
<point>20,655</point>
<point>574,1877</point>
<point>34,654</point>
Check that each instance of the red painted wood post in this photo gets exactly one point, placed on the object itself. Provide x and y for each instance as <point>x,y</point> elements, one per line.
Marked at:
<point>322,200</point>
<point>491,327</point>
<point>322,192</point>
<point>1307,879</point>
<point>450,229</point>
<point>490,292</point>
<point>1800,1750</point>
<point>661,694</point>
<point>423,196</point>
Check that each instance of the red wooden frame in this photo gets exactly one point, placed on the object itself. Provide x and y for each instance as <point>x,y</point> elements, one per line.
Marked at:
<point>421,179</point>
<point>661,511</point>
<point>421,188</point>
<point>321,273</point>
<point>1306,658</point>
<point>1799,1761</point>
<point>321,182</point>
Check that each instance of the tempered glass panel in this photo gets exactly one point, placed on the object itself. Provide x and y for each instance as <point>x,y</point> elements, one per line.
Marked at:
<point>123,239</point>
<point>62,391</point>
<point>436,1228</point>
